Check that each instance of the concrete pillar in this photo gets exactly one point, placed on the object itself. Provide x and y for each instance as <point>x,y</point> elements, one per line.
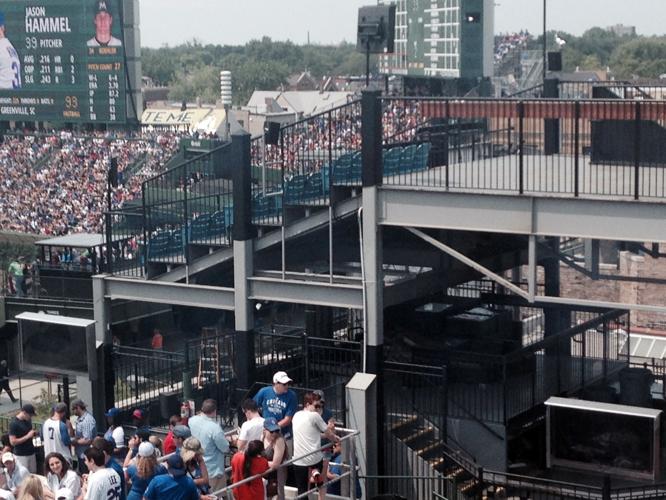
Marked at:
<point>243,235</point>
<point>362,416</point>
<point>100,384</point>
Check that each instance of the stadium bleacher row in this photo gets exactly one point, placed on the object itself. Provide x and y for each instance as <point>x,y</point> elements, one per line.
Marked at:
<point>214,228</point>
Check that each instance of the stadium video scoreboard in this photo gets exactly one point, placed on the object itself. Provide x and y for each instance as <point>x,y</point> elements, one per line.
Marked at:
<point>62,61</point>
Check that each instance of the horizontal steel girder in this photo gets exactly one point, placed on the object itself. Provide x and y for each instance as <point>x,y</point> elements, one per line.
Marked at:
<point>542,216</point>
<point>180,294</point>
<point>307,292</point>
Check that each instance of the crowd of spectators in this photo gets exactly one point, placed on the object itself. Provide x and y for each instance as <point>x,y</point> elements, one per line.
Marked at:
<point>189,464</point>
<point>305,147</point>
<point>506,43</point>
<point>55,184</point>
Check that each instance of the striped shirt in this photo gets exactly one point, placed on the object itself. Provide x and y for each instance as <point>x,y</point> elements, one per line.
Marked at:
<point>85,428</point>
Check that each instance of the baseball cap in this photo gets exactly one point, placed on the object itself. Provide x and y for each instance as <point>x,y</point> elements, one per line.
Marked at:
<point>143,433</point>
<point>2,18</point>
<point>100,6</point>
<point>146,449</point>
<point>175,465</point>
<point>320,393</point>
<point>113,412</point>
<point>7,457</point>
<point>29,409</point>
<point>191,447</point>
<point>281,378</point>
<point>64,494</point>
<point>271,425</point>
<point>60,408</point>
<point>138,414</point>
<point>182,431</point>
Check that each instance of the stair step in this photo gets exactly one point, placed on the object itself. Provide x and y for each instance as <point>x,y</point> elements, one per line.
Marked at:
<point>468,486</point>
<point>403,423</point>
<point>454,472</point>
<point>420,433</point>
<point>432,450</point>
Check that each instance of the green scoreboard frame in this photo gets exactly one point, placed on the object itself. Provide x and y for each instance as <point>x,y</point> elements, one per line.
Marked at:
<point>65,76</point>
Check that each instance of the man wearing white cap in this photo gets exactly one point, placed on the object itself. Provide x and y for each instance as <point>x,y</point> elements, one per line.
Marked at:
<point>14,472</point>
<point>279,402</point>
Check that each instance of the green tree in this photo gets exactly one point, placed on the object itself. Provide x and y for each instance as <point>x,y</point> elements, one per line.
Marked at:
<point>641,57</point>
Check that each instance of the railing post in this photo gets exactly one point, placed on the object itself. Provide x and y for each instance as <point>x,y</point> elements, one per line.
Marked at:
<point>185,239</point>
<point>306,355</point>
<point>479,494</point>
<point>637,148</point>
<point>584,347</point>
<point>606,488</point>
<point>330,155</point>
<point>187,374</point>
<point>136,381</point>
<point>109,242</point>
<point>444,401</point>
<point>504,391</point>
<point>353,472</point>
<point>521,144</point>
<point>144,226</point>
<point>576,146</point>
<point>447,114</point>
<point>605,349</point>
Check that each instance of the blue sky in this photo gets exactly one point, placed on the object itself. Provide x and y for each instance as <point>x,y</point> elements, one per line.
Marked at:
<point>330,21</point>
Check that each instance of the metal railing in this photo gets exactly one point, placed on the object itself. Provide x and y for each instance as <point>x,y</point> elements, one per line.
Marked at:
<point>142,375</point>
<point>347,439</point>
<point>611,148</point>
<point>190,204</point>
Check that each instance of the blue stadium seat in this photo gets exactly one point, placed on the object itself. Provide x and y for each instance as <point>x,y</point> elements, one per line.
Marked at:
<point>421,157</point>
<point>158,244</point>
<point>313,187</point>
<point>228,222</point>
<point>357,168</point>
<point>392,160</point>
<point>199,228</point>
<point>266,206</point>
<point>407,158</point>
<point>217,227</point>
<point>176,244</point>
<point>342,169</point>
<point>326,178</point>
<point>294,189</point>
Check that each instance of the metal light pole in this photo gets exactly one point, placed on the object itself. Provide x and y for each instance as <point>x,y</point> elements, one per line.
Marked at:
<point>226,99</point>
<point>544,42</point>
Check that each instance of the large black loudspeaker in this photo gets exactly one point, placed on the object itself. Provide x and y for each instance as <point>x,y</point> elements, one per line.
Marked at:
<point>376,29</point>
<point>113,172</point>
<point>271,132</point>
<point>554,61</point>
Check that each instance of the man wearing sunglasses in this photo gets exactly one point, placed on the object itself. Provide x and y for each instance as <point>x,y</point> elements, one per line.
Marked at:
<point>309,429</point>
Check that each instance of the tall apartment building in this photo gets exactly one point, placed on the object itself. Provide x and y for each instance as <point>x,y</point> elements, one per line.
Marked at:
<point>445,38</point>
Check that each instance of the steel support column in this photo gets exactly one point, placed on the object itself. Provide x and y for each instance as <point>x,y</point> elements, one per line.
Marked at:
<point>243,234</point>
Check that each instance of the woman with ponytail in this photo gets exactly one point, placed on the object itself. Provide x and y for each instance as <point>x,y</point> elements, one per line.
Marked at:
<point>245,464</point>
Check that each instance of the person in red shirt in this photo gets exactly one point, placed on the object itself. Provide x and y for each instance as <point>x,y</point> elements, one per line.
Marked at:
<point>169,445</point>
<point>245,464</point>
<point>157,341</point>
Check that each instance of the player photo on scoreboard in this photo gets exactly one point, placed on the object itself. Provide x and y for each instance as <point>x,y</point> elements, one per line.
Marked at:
<point>103,22</point>
<point>10,62</point>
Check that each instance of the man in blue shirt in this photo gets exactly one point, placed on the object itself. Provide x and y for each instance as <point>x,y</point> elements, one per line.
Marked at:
<point>176,485</point>
<point>107,447</point>
<point>279,402</point>
<point>209,433</point>
<point>85,429</point>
